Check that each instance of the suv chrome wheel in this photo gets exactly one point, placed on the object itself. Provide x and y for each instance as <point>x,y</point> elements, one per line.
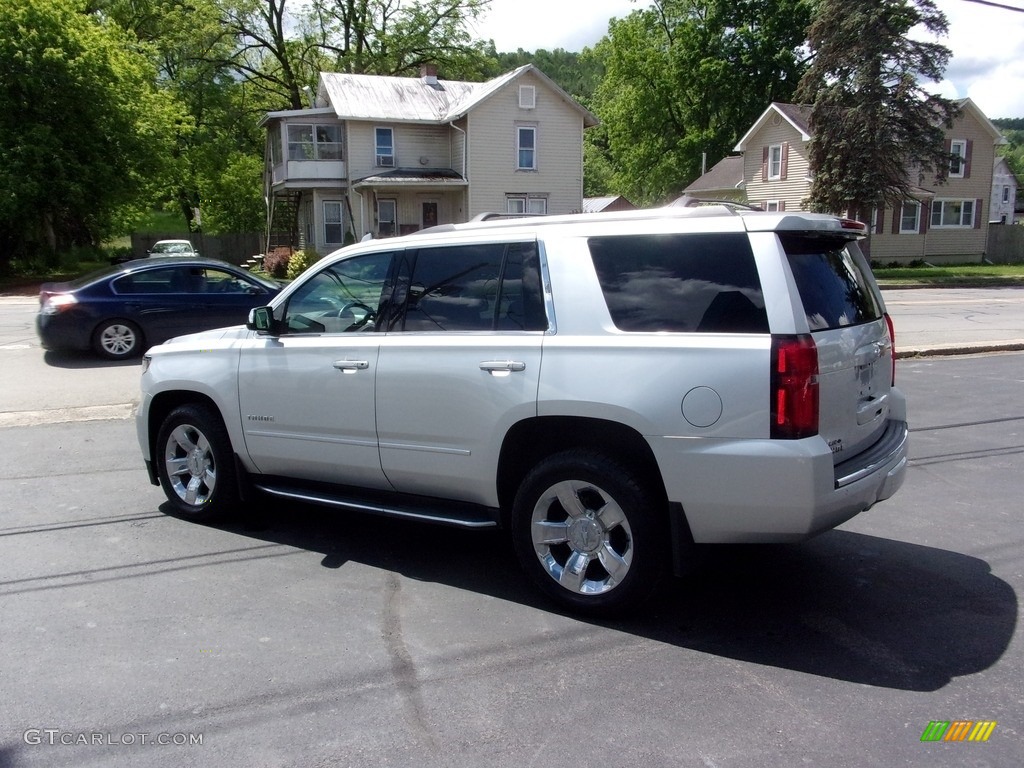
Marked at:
<point>194,463</point>
<point>582,537</point>
<point>587,532</point>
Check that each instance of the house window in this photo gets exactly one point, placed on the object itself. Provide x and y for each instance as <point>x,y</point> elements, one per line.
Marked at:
<point>328,142</point>
<point>772,205</point>
<point>953,213</point>
<point>910,218</point>
<point>957,148</point>
<point>387,217</point>
<point>385,140</point>
<point>526,149</point>
<point>523,204</point>
<point>314,142</point>
<point>300,142</point>
<point>527,97</point>
<point>1006,194</point>
<point>333,225</point>
<point>775,161</point>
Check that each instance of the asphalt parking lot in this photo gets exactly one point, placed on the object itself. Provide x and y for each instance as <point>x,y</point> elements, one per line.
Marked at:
<point>300,637</point>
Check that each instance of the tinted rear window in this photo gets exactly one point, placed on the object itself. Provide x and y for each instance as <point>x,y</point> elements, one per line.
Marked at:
<point>683,283</point>
<point>832,277</point>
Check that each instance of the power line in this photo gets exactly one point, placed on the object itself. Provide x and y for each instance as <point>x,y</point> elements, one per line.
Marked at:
<point>996,5</point>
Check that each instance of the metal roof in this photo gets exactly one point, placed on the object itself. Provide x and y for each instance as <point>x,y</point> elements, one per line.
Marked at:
<point>417,99</point>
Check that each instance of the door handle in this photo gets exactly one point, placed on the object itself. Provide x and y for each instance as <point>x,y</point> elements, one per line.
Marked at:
<point>351,366</point>
<point>502,366</point>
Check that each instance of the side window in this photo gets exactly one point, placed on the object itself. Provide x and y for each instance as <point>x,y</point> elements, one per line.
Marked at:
<point>341,298</point>
<point>160,280</point>
<point>221,281</point>
<point>682,283</point>
<point>471,288</point>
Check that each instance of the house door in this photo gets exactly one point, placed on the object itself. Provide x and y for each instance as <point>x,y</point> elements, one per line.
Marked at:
<point>429,214</point>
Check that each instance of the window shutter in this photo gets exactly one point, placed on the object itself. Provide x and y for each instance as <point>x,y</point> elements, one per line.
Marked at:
<point>967,158</point>
<point>923,213</point>
<point>897,215</point>
<point>784,169</point>
<point>977,213</point>
<point>764,163</point>
<point>782,203</point>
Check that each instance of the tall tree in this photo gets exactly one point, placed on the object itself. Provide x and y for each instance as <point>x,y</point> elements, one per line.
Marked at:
<point>83,130</point>
<point>683,78</point>
<point>397,37</point>
<point>877,132</point>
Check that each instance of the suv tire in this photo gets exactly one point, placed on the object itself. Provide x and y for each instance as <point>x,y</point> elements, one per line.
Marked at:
<point>588,533</point>
<point>195,464</point>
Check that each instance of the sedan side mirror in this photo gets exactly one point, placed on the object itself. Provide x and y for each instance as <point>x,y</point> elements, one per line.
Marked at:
<point>261,320</point>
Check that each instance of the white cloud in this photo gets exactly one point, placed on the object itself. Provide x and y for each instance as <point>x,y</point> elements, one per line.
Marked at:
<point>549,24</point>
<point>987,42</point>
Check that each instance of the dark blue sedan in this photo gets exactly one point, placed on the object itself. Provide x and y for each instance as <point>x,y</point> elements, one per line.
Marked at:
<point>121,311</point>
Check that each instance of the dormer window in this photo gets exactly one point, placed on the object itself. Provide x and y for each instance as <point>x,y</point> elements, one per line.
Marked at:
<point>385,141</point>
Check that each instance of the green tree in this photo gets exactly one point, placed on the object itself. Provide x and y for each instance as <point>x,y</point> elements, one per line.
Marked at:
<point>871,118</point>
<point>684,78</point>
<point>397,37</point>
<point>83,129</point>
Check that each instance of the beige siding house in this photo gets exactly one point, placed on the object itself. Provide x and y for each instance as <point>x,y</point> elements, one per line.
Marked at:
<point>947,222</point>
<point>382,156</point>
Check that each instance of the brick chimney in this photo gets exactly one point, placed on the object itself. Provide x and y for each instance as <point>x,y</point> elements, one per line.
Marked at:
<point>428,73</point>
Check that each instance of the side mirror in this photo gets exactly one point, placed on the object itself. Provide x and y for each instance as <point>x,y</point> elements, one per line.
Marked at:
<point>261,320</point>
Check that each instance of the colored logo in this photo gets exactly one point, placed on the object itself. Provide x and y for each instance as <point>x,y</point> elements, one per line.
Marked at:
<point>958,730</point>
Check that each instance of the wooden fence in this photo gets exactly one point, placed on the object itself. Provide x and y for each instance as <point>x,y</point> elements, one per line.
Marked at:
<point>232,248</point>
<point>1005,244</point>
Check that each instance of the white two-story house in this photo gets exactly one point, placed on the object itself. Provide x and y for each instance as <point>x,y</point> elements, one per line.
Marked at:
<point>384,156</point>
<point>937,222</point>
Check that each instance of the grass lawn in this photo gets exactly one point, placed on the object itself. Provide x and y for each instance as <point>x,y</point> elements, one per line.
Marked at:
<point>979,275</point>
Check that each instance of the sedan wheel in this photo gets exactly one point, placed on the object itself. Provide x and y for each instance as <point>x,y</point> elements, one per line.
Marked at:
<point>586,532</point>
<point>194,462</point>
<point>118,339</point>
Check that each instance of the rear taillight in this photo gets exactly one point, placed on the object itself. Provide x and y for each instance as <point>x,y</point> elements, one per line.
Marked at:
<point>56,303</point>
<point>794,385</point>
<point>892,344</point>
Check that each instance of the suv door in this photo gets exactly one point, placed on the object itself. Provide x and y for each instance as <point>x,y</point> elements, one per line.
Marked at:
<point>307,394</point>
<point>460,365</point>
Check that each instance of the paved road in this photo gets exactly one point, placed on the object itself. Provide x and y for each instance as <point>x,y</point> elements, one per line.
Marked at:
<point>312,638</point>
<point>38,387</point>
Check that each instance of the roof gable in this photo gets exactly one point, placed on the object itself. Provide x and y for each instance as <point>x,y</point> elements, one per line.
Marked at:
<point>797,115</point>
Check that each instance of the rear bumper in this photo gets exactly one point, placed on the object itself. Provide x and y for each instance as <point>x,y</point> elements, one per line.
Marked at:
<point>748,491</point>
<point>63,331</point>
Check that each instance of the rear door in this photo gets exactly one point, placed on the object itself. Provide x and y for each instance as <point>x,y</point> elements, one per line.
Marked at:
<point>459,365</point>
<point>846,315</point>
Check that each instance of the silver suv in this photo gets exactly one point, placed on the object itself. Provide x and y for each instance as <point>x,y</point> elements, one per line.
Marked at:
<point>608,388</point>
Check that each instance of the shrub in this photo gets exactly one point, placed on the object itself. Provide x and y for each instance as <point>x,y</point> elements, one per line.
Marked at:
<point>300,262</point>
<point>276,262</point>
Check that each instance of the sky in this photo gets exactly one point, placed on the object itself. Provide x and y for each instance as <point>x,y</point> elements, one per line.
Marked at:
<point>987,42</point>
